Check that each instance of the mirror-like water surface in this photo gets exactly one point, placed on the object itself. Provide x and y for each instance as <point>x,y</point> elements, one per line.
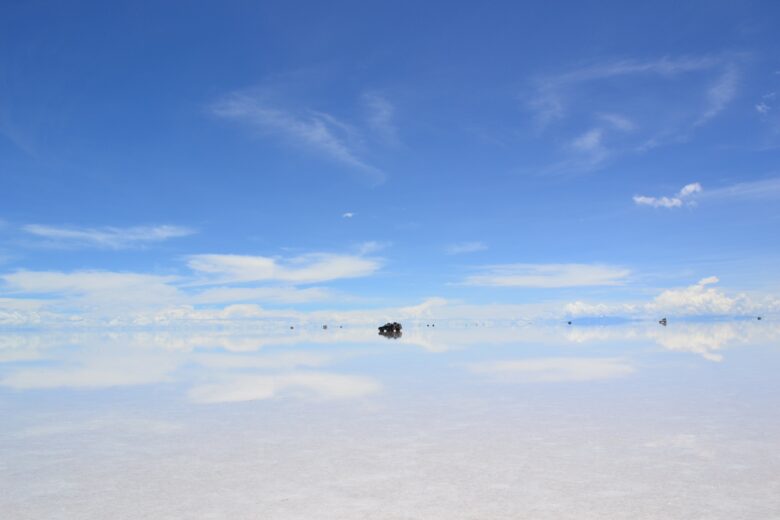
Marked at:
<point>460,421</point>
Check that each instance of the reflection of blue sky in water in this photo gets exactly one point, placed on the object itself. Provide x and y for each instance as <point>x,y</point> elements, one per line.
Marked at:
<point>487,422</point>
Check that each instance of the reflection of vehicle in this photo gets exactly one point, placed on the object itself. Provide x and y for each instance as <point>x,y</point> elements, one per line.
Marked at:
<point>390,330</point>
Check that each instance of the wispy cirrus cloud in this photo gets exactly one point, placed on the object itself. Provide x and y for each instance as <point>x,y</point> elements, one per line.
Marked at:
<point>313,130</point>
<point>465,247</point>
<point>765,104</point>
<point>683,197</point>
<point>380,113</point>
<point>553,97</point>
<point>720,93</point>
<point>107,237</point>
<point>749,190</point>
<point>619,107</point>
<point>549,275</point>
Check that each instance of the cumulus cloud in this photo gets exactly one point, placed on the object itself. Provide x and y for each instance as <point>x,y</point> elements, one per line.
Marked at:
<point>684,196</point>
<point>697,299</point>
<point>549,275</point>
<point>106,237</point>
<point>348,214</point>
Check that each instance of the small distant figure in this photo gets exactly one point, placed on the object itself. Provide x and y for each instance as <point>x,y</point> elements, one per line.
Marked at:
<point>568,323</point>
<point>324,327</point>
<point>759,318</point>
<point>433,324</point>
<point>662,321</point>
<point>291,327</point>
<point>341,327</point>
<point>428,325</point>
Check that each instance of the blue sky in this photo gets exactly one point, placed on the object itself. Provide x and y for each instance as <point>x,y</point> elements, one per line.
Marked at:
<point>297,157</point>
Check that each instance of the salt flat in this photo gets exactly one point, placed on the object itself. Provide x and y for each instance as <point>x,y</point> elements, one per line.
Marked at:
<point>534,421</point>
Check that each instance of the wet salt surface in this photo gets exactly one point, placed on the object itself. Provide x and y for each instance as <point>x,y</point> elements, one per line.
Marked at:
<point>485,422</point>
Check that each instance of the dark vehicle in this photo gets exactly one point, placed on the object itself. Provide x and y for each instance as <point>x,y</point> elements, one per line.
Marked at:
<point>390,330</point>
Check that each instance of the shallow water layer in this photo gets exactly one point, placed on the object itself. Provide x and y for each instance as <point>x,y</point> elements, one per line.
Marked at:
<point>466,421</point>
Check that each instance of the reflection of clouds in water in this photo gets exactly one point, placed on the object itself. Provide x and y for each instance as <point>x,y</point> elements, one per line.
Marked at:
<point>82,360</point>
<point>95,372</point>
<point>444,339</point>
<point>109,360</point>
<point>588,334</point>
<point>704,339</point>
<point>248,342</point>
<point>282,360</point>
<point>318,385</point>
<point>554,369</point>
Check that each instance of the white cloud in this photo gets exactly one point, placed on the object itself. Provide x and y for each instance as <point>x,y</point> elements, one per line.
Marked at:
<point>682,197</point>
<point>555,369</point>
<point>697,299</point>
<point>316,131</point>
<point>551,98</point>
<point>371,246</point>
<point>348,214</point>
<point>641,116</point>
<point>381,114</point>
<point>304,269</point>
<point>226,295</point>
<point>465,247</point>
<point>720,94</point>
<point>232,281</point>
<point>107,237</point>
<point>760,189</point>
<point>591,147</point>
<point>763,108</point>
<point>96,286</point>
<point>619,122</point>
<point>590,141</point>
<point>549,275</point>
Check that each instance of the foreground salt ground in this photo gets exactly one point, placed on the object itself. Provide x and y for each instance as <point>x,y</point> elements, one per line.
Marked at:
<point>484,422</point>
